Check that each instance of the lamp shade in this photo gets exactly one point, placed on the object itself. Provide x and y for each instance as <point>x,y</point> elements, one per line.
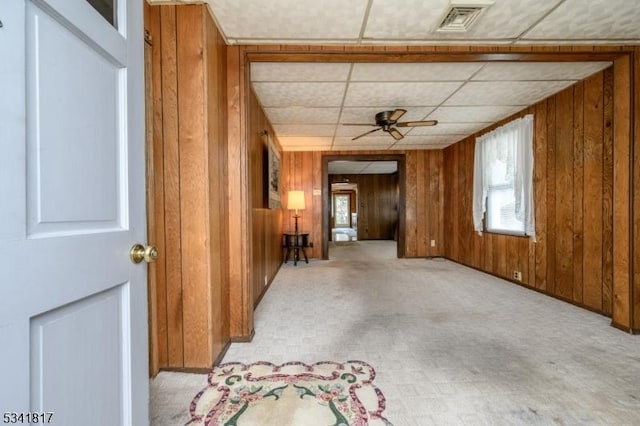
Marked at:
<point>295,200</point>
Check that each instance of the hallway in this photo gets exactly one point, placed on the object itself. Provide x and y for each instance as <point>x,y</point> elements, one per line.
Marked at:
<point>450,345</point>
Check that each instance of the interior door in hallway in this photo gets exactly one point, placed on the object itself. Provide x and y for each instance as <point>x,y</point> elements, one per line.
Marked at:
<point>73,318</point>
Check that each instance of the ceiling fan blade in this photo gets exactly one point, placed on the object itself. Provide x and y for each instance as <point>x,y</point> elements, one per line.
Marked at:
<point>395,133</point>
<point>417,123</point>
<point>366,133</point>
<point>358,124</point>
<point>396,114</point>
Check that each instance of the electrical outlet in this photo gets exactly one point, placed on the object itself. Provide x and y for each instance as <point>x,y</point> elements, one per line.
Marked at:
<point>266,280</point>
<point>517,275</point>
<point>433,243</point>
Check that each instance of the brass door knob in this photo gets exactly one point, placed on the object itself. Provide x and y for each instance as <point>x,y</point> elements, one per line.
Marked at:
<point>139,253</point>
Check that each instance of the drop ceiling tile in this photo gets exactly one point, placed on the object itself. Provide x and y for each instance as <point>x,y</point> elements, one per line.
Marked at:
<point>413,19</point>
<point>299,94</point>
<point>385,167</point>
<point>430,139</point>
<point>304,129</point>
<point>504,71</point>
<point>406,94</point>
<point>368,115</point>
<point>289,19</point>
<point>418,19</point>
<point>301,115</point>
<point>590,20</point>
<point>346,167</point>
<point>472,114</point>
<point>447,129</point>
<point>299,71</point>
<point>378,141</point>
<point>522,93</point>
<point>353,131</point>
<point>432,71</point>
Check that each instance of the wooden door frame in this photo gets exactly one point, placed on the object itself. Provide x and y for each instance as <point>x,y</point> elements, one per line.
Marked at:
<point>326,194</point>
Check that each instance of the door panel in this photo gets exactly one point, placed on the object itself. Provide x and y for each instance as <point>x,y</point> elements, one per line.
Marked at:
<point>73,319</point>
<point>95,325</point>
<point>70,155</point>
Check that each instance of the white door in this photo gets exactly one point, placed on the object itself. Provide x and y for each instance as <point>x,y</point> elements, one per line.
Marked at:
<point>73,320</point>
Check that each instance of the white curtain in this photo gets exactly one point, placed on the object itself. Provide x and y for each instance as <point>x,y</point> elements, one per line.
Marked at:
<point>506,155</point>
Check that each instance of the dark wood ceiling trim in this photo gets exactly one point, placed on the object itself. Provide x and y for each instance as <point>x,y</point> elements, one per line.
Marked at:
<point>294,53</point>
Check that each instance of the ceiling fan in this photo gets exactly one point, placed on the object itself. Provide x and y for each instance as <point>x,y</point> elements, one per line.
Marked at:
<point>387,121</point>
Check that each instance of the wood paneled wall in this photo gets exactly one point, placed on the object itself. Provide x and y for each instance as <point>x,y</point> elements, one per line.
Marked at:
<point>573,183</point>
<point>635,237</point>
<point>190,309</point>
<point>377,204</point>
<point>266,241</point>
<point>424,185</point>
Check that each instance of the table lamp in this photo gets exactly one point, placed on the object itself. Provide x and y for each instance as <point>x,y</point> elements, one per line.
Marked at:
<point>295,201</point>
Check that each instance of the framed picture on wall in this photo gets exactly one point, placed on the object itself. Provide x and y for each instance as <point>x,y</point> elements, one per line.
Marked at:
<point>273,179</point>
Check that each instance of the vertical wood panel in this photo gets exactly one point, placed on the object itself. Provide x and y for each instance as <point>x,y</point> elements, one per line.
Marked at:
<point>216,108</point>
<point>593,179</point>
<point>240,294</point>
<point>452,212</point>
<point>578,191</point>
<point>551,195</point>
<point>564,194</point>
<point>422,174</point>
<point>500,255</point>
<point>540,197</point>
<point>193,190</point>
<point>171,186</point>
<point>316,161</point>
<point>158,326</point>
<point>607,195</point>
<point>636,192</point>
<point>433,204</point>
<point>411,207</point>
<point>621,193</point>
<point>307,187</point>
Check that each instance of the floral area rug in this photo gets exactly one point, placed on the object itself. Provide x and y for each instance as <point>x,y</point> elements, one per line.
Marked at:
<point>294,393</point>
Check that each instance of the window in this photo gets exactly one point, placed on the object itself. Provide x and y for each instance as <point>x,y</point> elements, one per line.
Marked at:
<point>503,179</point>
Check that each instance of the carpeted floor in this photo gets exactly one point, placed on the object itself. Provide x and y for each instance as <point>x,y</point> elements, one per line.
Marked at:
<point>450,345</point>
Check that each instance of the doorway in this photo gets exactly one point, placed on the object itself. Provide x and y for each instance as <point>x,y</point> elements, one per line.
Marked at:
<point>376,213</point>
<point>344,212</point>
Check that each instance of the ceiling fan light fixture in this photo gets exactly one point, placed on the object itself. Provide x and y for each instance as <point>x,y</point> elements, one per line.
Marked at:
<point>460,16</point>
<point>388,120</point>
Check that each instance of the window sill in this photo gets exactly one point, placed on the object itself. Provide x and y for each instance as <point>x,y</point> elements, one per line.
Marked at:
<point>509,233</point>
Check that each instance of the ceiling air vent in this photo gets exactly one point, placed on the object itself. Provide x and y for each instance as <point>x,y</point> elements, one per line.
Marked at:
<point>460,17</point>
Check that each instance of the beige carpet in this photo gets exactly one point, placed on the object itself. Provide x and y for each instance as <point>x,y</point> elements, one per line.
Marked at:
<point>450,345</point>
